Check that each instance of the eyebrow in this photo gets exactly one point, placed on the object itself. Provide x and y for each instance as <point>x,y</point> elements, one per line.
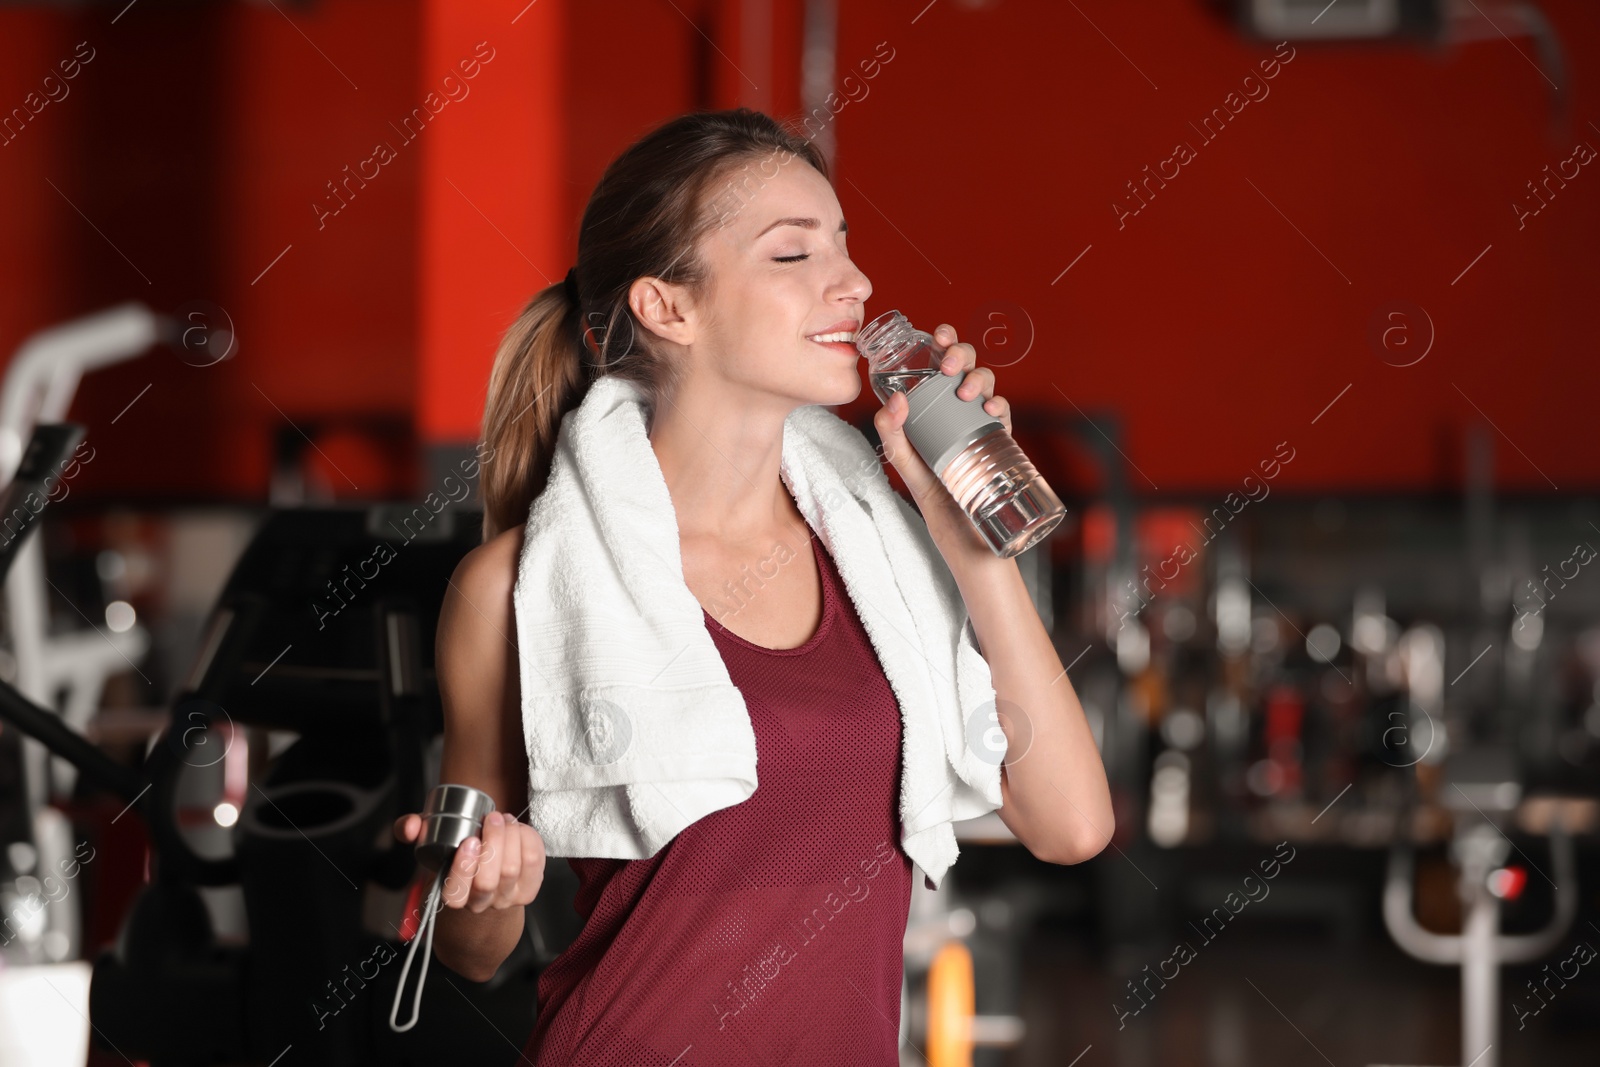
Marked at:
<point>810,224</point>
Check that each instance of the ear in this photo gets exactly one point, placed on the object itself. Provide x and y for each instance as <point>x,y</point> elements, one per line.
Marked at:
<point>663,308</point>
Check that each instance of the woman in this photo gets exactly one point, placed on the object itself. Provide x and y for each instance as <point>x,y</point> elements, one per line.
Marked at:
<point>715,949</point>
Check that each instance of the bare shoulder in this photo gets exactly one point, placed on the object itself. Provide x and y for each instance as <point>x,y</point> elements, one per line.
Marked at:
<point>486,574</point>
<point>477,623</point>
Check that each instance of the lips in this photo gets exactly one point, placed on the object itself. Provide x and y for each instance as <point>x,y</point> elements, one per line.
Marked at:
<point>841,332</point>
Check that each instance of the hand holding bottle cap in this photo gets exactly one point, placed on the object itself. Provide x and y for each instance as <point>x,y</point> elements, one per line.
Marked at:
<point>452,814</point>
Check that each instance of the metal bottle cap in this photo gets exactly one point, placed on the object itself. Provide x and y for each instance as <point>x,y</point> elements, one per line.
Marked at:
<point>452,814</point>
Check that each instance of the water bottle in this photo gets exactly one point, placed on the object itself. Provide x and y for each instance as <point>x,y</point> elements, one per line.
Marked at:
<point>1005,498</point>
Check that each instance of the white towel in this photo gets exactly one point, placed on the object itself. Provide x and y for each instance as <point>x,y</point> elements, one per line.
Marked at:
<point>632,724</point>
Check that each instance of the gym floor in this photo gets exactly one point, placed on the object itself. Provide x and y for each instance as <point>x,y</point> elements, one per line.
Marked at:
<point>1307,976</point>
<point>1348,1005</point>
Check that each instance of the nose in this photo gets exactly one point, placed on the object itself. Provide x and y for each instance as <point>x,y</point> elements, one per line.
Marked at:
<point>854,286</point>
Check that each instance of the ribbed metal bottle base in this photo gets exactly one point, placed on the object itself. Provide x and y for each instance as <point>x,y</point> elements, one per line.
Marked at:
<point>1008,500</point>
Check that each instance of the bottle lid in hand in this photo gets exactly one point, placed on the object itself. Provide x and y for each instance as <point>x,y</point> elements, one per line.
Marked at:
<point>452,814</point>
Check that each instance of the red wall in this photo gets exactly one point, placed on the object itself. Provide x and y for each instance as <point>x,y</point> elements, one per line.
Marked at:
<point>329,331</point>
<point>985,158</point>
<point>492,197</point>
<point>34,43</point>
<point>997,141</point>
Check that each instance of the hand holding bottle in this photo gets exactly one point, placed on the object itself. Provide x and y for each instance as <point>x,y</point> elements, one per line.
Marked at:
<point>958,358</point>
<point>955,433</point>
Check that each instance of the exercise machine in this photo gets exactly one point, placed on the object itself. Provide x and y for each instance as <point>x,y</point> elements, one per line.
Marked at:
<point>308,721</point>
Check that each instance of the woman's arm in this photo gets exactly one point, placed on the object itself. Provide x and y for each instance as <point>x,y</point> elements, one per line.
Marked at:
<point>1052,783</point>
<point>492,879</point>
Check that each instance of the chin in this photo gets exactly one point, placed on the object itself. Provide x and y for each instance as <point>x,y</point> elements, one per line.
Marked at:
<point>825,386</point>
<point>843,393</point>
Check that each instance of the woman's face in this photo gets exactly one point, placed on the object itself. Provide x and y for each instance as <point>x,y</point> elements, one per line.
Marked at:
<point>778,276</point>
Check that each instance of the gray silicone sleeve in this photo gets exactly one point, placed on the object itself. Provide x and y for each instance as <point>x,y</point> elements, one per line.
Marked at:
<point>940,424</point>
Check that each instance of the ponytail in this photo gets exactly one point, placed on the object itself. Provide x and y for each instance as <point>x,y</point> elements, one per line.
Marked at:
<point>537,377</point>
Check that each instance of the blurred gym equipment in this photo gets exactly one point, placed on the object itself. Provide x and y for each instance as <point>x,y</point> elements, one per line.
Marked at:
<point>1486,792</point>
<point>314,677</point>
<point>312,851</point>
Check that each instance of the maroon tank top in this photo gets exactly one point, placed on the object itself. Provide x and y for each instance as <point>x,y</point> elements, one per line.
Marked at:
<point>770,931</point>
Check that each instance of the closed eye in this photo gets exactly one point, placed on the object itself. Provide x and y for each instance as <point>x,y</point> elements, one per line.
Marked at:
<point>791,259</point>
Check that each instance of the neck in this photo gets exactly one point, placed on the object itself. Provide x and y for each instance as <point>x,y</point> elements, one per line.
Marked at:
<point>719,452</point>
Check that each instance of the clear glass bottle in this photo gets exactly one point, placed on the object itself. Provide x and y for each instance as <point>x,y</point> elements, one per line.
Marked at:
<point>1007,500</point>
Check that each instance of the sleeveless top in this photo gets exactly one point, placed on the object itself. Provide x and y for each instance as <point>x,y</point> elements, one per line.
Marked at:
<point>770,931</point>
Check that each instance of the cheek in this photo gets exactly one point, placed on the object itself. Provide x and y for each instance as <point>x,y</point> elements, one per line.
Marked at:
<point>744,331</point>
<point>776,307</point>
<point>760,312</point>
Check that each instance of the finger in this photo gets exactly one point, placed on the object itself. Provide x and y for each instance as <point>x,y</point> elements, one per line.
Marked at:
<point>510,866</point>
<point>487,876</point>
<point>890,422</point>
<point>406,827</point>
<point>1000,408</point>
<point>980,381</point>
<point>533,861</point>
<point>958,358</point>
<point>458,883</point>
<point>944,334</point>
<point>890,417</point>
